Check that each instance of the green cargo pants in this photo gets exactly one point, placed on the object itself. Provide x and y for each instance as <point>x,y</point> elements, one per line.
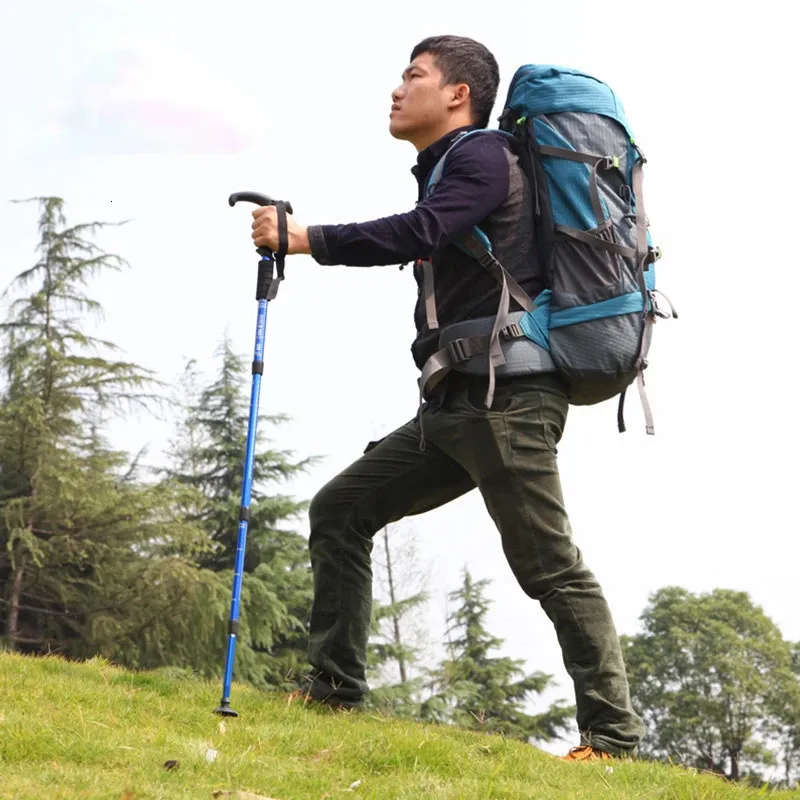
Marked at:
<point>509,454</point>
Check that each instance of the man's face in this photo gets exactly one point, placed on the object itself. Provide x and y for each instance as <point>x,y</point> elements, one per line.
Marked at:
<point>420,103</point>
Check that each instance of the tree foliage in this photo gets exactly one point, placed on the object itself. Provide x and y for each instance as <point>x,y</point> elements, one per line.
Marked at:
<point>396,644</point>
<point>207,456</point>
<point>64,509</point>
<point>713,678</point>
<point>475,690</point>
<point>94,559</point>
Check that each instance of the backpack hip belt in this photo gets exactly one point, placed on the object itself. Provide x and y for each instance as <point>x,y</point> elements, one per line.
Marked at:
<point>465,346</point>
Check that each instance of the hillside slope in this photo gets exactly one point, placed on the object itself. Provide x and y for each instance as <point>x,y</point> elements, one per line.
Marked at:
<point>95,731</point>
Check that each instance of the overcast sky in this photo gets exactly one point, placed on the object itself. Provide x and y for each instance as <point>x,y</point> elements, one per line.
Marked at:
<point>156,111</point>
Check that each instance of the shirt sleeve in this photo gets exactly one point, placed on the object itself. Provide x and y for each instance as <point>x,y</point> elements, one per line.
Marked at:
<point>475,182</point>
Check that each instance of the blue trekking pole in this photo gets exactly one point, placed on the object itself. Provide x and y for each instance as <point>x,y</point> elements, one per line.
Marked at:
<point>266,290</point>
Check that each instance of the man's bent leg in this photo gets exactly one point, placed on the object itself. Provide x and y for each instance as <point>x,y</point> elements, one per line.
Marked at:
<point>512,458</point>
<point>392,480</point>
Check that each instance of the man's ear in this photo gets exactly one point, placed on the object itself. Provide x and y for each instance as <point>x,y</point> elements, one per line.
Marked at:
<point>460,95</point>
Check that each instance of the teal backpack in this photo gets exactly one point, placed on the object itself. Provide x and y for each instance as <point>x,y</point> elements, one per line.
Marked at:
<point>593,323</point>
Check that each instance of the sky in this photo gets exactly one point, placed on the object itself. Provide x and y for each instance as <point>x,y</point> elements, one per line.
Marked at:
<point>154,112</point>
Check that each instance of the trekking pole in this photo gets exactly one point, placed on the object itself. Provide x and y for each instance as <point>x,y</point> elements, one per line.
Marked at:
<point>266,289</point>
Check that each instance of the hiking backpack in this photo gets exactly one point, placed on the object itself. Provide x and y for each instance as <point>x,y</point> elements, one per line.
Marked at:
<point>593,322</point>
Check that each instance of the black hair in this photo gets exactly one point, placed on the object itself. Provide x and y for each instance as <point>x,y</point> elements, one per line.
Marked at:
<point>463,60</point>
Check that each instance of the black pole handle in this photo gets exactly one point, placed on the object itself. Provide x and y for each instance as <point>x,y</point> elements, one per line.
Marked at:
<point>258,199</point>
<point>266,283</point>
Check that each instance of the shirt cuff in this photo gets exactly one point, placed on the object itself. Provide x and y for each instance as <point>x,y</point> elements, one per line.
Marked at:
<point>319,247</point>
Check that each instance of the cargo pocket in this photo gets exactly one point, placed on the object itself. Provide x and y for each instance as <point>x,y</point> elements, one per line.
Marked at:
<point>373,445</point>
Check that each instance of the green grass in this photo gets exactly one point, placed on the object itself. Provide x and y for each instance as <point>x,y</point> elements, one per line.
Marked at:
<point>92,730</point>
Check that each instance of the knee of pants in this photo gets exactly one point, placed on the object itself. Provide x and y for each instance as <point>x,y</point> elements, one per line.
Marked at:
<point>322,505</point>
<point>331,506</point>
<point>335,512</point>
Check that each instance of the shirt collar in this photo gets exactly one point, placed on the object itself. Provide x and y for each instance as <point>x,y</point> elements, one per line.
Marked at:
<point>428,157</point>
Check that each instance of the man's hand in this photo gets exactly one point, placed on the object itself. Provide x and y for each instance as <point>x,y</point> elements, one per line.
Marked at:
<point>265,231</point>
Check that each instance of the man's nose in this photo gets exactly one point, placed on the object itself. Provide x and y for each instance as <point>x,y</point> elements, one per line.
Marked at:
<point>397,94</point>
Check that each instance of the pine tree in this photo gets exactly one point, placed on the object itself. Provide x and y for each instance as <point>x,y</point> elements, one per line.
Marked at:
<point>395,647</point>
<point>207,454</point>
<point>90,560</point>
<point>473,690</point>
<point>55,389</point>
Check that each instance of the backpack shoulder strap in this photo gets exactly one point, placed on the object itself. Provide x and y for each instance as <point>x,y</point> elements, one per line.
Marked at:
<point>438,170</point>
<point>476,243</point>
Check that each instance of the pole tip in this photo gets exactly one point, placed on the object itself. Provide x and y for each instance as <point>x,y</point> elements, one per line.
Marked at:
<point>224,709</point>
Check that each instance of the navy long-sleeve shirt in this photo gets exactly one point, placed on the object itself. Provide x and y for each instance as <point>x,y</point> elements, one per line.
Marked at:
<point>481,184</point>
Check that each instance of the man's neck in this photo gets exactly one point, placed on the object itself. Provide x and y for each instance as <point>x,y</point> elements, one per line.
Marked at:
<point>429,137</point>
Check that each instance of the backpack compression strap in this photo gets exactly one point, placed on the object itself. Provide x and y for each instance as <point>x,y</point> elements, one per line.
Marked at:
<point>597,163</point>
<point>640,254</point>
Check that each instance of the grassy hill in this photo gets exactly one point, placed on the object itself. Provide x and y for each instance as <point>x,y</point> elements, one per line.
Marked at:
<point>92,730</point>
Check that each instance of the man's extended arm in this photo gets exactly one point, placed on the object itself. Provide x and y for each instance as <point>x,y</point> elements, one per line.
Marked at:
<point>475,183</point>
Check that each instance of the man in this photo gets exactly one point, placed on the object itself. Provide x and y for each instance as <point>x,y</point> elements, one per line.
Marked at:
<point>507,452</point>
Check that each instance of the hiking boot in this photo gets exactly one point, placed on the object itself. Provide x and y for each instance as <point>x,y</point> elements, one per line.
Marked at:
<point>587,753</point>
<point>304,696</point>
<point>298,694</point>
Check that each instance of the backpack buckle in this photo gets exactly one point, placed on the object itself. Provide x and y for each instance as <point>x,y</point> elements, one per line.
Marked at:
<point>486,260</point>
<point>457,351</point>
<point>512,331</point>
<point>656,306</point>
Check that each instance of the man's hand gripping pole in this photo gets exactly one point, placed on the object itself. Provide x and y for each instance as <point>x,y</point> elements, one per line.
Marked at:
<point>267,282</point>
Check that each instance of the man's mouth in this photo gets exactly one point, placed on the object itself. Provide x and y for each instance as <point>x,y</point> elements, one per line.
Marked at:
<point>395,107</point>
